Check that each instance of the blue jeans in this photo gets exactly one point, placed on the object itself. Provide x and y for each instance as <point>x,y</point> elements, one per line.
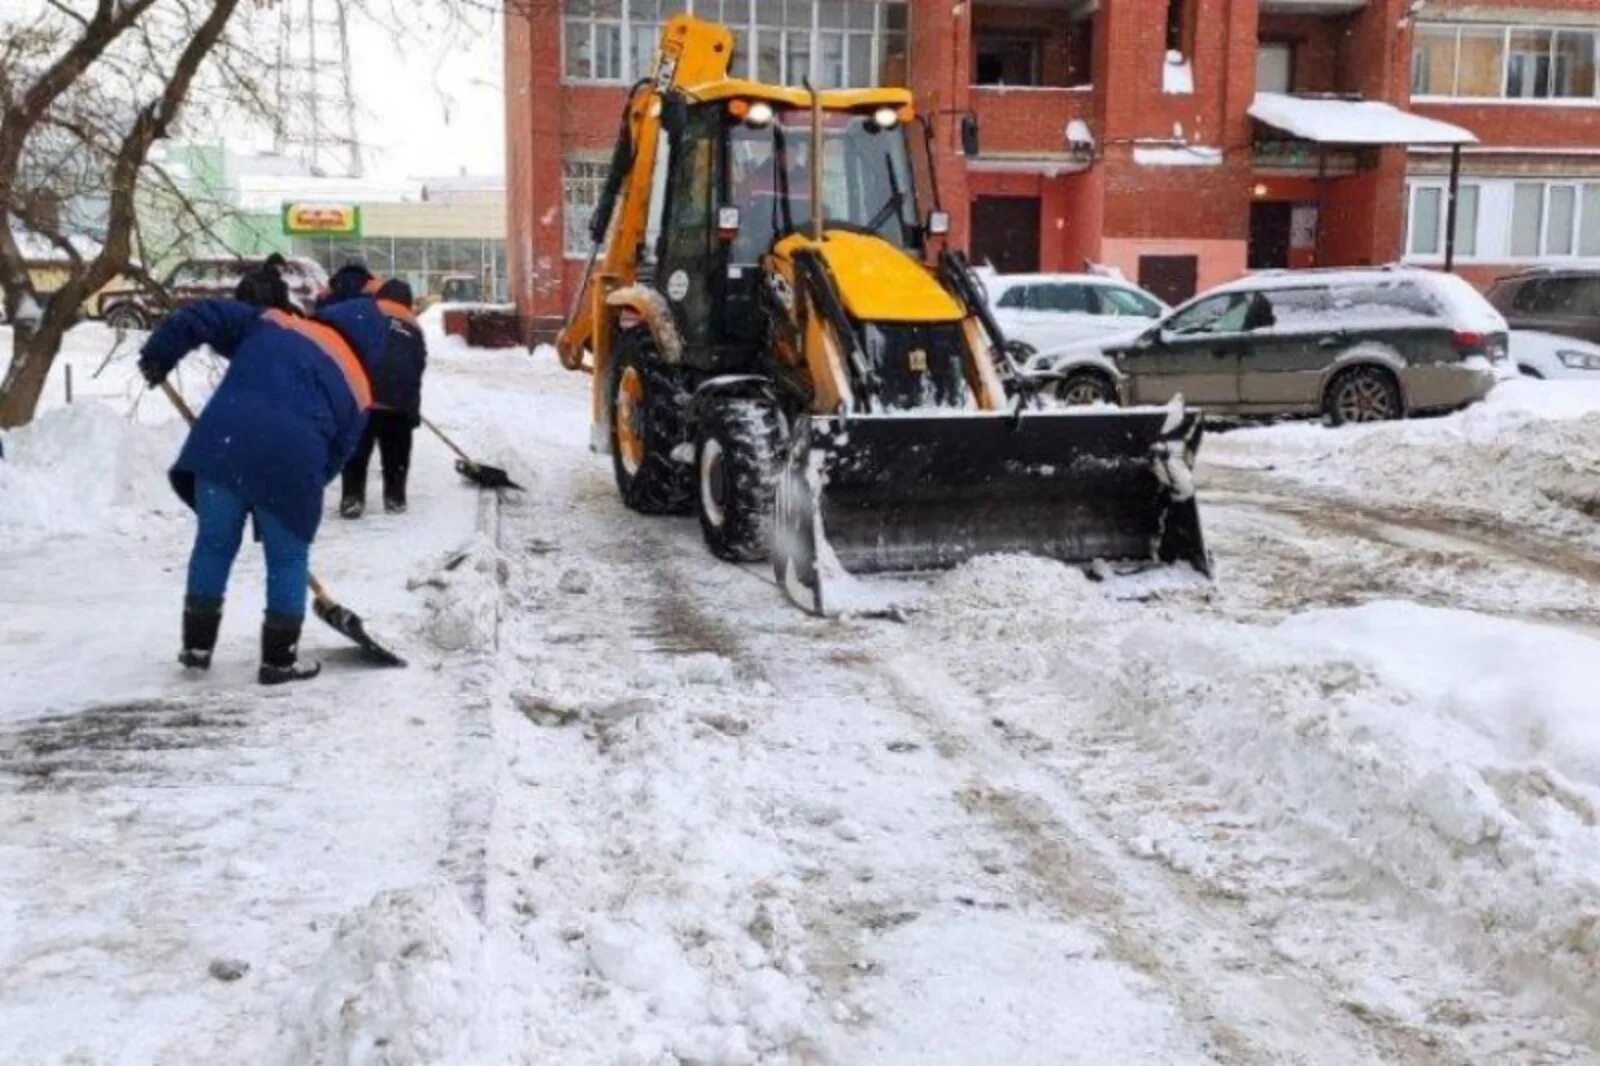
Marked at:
<point>222,513</point>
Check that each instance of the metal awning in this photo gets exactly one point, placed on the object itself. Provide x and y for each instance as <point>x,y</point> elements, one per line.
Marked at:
<point>1354,123</point>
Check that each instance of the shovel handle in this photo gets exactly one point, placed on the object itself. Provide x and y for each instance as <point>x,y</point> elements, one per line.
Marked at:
<point>448,443</point>
<point>178,401</point>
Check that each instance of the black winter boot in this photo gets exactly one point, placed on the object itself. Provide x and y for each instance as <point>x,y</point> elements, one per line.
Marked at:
<point>280,648</point>
<point>352,507</point>
<point>201,618</point>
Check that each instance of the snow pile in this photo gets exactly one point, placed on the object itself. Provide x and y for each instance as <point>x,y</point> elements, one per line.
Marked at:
<point>462,596</point>
<point>82,469</point>
<point>1449,755</point>
<point>1453,754</point>
<point>1529,456</point>
<point>399,986</point>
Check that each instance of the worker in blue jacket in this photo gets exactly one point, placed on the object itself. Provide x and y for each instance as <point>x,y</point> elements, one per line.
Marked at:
<point>286,417</point>
<point>397,406</point>
<point>348,282</point>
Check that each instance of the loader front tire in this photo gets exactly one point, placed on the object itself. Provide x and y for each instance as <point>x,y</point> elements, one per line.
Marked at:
<point>736,471</point>
<point>647,425</point>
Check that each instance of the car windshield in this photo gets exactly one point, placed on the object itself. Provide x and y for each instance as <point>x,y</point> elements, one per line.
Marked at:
<point>867,181</point>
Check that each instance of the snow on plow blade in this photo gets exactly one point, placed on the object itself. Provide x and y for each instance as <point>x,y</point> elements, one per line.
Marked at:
<point>878,493</point>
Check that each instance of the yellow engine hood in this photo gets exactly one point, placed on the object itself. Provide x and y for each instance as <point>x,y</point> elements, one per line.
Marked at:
<point>877,281</point>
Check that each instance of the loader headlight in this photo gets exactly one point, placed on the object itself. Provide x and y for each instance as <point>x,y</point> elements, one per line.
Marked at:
<point>886,118</point>
<point>759,115</point>
<point>1575,360</point>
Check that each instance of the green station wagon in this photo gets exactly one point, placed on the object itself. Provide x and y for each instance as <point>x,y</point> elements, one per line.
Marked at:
<point>1353,345</point>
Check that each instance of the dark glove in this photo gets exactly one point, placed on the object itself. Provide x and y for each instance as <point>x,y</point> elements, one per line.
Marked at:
<point>153,374</point>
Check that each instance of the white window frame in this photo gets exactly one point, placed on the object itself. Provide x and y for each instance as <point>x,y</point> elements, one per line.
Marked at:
<point>575,243</point>
<point>1443,188</point>
<point>1506,30</point>
<point>1491,193</point>
<point>751,28</point>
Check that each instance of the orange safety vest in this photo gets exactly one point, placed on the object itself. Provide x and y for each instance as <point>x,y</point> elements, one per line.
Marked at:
<point>395,309</point>
<point>334,346</point>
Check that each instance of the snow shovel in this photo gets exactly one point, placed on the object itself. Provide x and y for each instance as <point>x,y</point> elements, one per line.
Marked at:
<point>481,474</point>
<point>334,613</point>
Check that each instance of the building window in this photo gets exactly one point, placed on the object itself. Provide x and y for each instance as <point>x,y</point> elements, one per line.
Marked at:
<point>1177,25</point>
<point>1508,62</point>
<point>1006,60</point>
<point>1275,67</point>
<point>1429,206</point>
<point>581,183</point>
<point>835,43</point>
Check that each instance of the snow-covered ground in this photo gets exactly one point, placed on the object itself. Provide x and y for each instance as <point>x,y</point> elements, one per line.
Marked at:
<point>629,806</point>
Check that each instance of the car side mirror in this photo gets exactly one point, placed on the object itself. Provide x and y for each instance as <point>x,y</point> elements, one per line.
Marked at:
<point>969,135</point>
<point>1151,338</point>
<point>727,223</point>
<point>938,223</point>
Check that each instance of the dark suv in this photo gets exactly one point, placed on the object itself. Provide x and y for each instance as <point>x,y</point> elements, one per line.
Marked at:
<point>1355,345</point>
<point>141,306</point>
<point>1565,301</point>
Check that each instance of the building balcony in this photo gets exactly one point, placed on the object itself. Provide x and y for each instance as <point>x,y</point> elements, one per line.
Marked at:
<point>1040,122</point>
<point>1032,44</point>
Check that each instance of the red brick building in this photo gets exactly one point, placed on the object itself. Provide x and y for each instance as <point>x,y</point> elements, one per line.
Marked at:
<point>1120,131</point>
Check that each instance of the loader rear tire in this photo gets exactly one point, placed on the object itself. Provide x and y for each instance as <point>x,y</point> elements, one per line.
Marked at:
<point>736,471</point>
<point>647,425</point>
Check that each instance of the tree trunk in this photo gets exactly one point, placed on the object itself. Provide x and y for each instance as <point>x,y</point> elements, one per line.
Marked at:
<point>33,353</point>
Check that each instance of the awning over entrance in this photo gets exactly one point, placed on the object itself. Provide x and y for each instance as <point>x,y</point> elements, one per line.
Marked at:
<point>1326,120</point>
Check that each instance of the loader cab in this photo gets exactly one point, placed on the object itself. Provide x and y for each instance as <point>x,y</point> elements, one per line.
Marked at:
<point>748,162</point>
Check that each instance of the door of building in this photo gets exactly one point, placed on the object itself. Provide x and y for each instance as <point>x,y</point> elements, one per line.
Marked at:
<point>1174,278</point>
<point>1005,233</point>
<point>1271,223</point>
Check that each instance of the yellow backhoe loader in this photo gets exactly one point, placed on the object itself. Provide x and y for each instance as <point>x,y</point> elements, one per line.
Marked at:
<point>776,347</point>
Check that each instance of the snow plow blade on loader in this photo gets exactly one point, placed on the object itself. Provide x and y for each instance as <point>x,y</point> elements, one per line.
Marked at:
<point>873,494</point>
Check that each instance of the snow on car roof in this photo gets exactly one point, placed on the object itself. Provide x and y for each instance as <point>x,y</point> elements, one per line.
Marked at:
<point>1464,304</point>
<point>1005,281</point>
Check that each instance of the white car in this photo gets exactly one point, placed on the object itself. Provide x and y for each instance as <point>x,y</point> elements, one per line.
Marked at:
<point>1550,355</point>
<point>1047,311</point>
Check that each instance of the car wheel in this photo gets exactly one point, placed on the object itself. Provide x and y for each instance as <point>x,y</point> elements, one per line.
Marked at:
<point>124,317</point>
<point>1083,387</point>
<point>736,467</point>
<point>647,426</point>
<point>1363,394</point>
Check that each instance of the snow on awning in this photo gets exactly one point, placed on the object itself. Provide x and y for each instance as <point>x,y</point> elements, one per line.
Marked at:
<point>1352,122</point>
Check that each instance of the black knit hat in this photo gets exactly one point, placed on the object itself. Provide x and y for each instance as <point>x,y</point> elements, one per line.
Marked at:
<point>397,291</point>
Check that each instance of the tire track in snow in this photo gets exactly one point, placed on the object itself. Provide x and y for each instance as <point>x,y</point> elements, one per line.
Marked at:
<point>1400,525</point>
<point>1257,1008</point>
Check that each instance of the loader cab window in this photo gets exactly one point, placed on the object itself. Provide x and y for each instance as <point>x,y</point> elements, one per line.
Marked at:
<point>867,181</point>
<point>684,270</point>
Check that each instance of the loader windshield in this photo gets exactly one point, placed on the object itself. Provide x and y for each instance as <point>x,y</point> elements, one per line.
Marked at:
<point>867,182</point>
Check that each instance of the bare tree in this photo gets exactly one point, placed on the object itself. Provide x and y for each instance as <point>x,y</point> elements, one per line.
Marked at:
<point>87,88</point>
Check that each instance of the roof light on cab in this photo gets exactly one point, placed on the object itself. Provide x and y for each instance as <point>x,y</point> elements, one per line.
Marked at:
<point>759,114</point>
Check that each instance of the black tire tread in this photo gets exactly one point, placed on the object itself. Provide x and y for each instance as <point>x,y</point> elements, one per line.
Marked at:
<point>662,485</point>
<point>749,433</point>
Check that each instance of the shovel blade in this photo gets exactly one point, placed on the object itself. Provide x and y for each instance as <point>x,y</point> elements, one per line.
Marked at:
<point>348,624</point>
<point>486,476</point>
<point>874,494</point>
